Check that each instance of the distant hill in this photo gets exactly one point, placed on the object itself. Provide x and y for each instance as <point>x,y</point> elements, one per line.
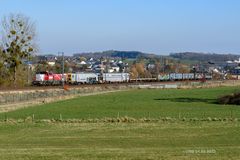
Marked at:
<point>205,56</point>
<point>115,54</point>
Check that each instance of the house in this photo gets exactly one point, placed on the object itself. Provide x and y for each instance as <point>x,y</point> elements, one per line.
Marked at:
<point>82,63</point>
<point>51,63</point>
<point>115,68</point>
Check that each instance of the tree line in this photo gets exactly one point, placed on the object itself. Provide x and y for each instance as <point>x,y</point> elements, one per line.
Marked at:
<point>205,57</point>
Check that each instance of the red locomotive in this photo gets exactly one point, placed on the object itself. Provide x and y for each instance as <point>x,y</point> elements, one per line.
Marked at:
<point>47,78</point>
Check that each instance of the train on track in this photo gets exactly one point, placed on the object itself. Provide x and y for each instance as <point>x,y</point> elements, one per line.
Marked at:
<point>50,79</point>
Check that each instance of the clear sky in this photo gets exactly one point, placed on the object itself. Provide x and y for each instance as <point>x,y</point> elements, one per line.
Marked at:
<point>154,26</point>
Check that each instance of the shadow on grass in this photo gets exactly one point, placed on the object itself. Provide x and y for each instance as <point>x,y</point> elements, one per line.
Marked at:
<point>188,100</point>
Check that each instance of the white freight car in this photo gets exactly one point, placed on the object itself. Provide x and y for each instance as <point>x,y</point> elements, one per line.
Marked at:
<point>84,78</point>
<point>115,77</point>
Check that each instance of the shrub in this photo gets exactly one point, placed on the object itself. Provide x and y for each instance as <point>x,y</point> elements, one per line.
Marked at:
<point>230,99</point>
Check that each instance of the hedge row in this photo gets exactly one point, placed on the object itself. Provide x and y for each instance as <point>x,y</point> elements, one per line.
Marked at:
<point>119,120</point>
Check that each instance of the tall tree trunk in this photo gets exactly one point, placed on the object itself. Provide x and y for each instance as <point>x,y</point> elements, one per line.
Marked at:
<point>15,77</point>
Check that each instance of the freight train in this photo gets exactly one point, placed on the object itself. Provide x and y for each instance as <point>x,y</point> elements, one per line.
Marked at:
<point>47,78</point>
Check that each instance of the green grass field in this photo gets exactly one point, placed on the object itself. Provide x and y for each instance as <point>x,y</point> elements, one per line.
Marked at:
<point>201,140</point>
<point>180,140</point>
<point>189,103</point>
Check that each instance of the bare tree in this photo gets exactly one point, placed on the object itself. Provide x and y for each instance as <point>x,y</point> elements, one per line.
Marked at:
<point>18,37</point>
<point>4,72</point>
<point>1,65</point>
<point>138,71</point>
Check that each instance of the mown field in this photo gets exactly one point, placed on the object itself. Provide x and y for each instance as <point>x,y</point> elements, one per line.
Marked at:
<point>169,139</point>
<point>200,140</point>
<point>189,103</point>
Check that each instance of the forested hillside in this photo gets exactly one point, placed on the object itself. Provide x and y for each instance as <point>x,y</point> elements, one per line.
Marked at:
<point>113,53</point>
<point>204,56</point>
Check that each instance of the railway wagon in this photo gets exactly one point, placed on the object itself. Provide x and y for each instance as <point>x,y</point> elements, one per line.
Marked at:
<point>183,76</point>
<point>163,77</point>
<point>82,78</point>
<point>177,76</point>
<point>188,76</point>
<point>115,77</point>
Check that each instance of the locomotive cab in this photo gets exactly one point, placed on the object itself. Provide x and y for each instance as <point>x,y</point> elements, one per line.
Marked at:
<point>43,78</point>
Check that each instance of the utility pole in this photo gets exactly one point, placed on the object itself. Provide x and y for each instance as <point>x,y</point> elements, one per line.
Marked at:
<point>122,66</point>
<point>63,70</point>
<point>28,82</point>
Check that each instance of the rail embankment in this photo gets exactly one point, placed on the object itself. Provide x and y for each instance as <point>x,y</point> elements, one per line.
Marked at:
<point>12,100</point>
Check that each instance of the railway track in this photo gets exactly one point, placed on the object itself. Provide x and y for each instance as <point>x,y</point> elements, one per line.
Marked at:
<point>6,89</point>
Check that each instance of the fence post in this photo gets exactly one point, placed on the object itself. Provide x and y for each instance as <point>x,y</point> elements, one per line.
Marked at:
<point>60,117</point>
<point>6,118</point>
<point>204,115</point>
<point>33,118</point>
<point>179,115</point>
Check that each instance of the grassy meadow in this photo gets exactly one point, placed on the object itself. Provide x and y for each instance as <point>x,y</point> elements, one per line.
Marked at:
<point>189,103</point>
<point>180,140</point>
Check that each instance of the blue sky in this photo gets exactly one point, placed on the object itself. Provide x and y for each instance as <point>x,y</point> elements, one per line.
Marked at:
<point>154,26</point>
